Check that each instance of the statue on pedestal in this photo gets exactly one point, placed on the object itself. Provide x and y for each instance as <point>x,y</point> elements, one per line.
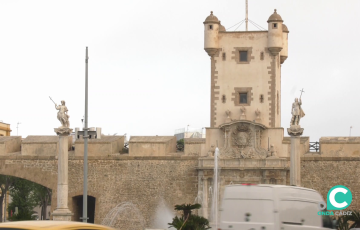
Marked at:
<point>272,152</point>
<point>242,113</point>
<point>62,115</point>
<point>296,112</point>
<point>228,116</point>
<point>257,113</point>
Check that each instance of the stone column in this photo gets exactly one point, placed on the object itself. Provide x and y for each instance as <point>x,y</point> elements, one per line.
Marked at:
<point>205,207</point>
<point>62,211</point>
<point>295,131</point>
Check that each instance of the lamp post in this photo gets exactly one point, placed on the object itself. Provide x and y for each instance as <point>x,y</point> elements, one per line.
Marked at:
<point>85,133</point>
<point>17,129</point>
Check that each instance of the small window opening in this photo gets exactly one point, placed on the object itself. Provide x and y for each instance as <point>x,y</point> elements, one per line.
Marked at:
<point>275,25</point>
<point>243,98</point>
<point>243,56</point>
<point>262,56</point>
<point>210,27</point>
<point>261,98</point>
<point>224,56</point>
<point>223,98</point>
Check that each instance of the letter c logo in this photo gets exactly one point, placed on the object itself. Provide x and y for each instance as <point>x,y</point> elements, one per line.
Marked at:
<point>332,198</point>
<point>339,197</point>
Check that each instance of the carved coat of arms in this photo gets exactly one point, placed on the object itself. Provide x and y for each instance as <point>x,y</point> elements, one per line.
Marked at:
<point>242,141</point>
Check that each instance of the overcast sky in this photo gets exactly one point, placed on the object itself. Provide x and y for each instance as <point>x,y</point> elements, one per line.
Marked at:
<point>148,71</point>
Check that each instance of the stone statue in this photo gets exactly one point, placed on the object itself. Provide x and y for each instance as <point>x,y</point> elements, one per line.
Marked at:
<point>211,151</point>
<point>296,112</point>
<point>272,152</point>
<point>62,115</point>
<point>242,113</point>
<point>228,118</point>
<point>257,113</point>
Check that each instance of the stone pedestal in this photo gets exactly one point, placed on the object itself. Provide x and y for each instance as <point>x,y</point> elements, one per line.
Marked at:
<point>228,120</point>
<point>295,131</point>
<point>62,212</point>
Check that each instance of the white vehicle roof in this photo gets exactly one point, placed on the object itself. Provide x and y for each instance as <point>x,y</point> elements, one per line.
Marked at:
<point>269,192</point>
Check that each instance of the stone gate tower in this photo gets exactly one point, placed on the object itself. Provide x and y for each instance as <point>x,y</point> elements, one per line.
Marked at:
<point>246,71</point>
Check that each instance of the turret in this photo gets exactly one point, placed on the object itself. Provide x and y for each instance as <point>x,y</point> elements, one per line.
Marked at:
<point>275,33</point>
<point>211,30</point>
<point>284,51</point>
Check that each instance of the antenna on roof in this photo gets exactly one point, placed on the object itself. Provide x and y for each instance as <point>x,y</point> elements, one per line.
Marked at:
<point>246,14</point>
<point>17,129</point>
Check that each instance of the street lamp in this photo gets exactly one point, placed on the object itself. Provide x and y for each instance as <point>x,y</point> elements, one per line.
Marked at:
<point>17,129</point>
<point>85,133</point>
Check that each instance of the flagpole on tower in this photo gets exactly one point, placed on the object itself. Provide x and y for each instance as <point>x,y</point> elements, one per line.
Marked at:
<point>246,14</point>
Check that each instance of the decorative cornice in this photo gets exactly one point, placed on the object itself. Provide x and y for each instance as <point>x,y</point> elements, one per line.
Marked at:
<point>275,50</point>
<point>212,51</point>
<point>295,131</point>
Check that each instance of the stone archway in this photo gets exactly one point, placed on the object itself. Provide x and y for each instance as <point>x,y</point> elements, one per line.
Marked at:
<point>33,171</point>
<point>77,208</point>
<point>33,174</point>
<point>76,202</point>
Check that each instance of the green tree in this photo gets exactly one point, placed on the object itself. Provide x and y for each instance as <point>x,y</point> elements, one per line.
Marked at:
<point>5,184</point>
<point>42,196</point>
<point>22,194</point>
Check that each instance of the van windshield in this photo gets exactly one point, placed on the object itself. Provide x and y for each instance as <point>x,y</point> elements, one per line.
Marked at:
<point>241,210</point>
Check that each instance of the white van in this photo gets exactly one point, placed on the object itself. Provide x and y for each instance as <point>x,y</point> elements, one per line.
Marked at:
<point>271,207</point>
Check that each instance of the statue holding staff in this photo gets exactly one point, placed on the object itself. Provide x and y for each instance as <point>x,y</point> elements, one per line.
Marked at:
<point>62,115</point>
<point>296,111</point>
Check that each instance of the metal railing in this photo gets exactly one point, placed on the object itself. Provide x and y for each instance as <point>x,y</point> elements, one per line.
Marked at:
<point>314,146</point>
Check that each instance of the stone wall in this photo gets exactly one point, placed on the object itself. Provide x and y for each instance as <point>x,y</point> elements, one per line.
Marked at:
<point>143,181</point>
<point>10,144</point>
<point>340,146</point>
<point>152,145</point>
<point>324,173</point>
<point>105,146</point>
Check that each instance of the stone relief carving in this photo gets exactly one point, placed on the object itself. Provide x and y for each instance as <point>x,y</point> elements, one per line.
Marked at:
<point>242,113</point>
<point>242,141</point>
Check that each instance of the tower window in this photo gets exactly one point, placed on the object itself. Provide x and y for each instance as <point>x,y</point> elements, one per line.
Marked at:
<point>275,26</point>
<point>262,56</point>
<point>243,56</point>
<point>224,56</point>
<point>210,27</point>
<point>243,98</point>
